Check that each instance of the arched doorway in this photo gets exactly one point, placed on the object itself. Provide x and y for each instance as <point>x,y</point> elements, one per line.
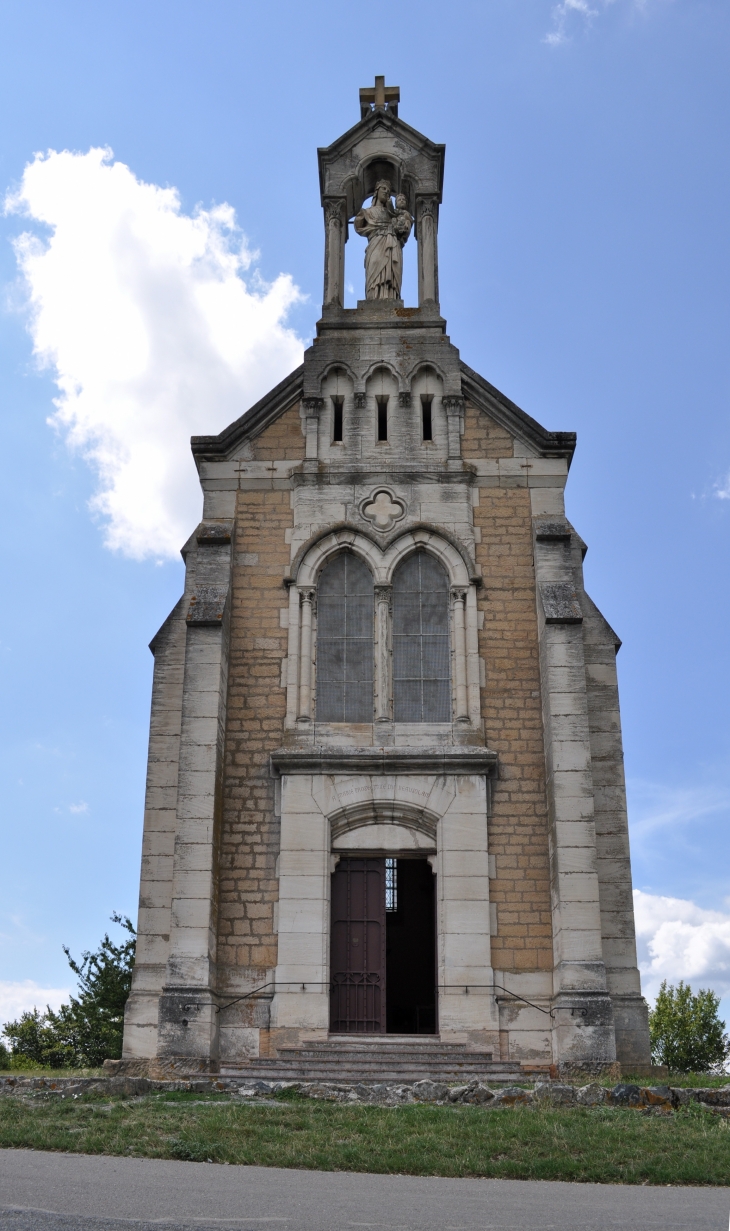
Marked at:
<point>383,946</point>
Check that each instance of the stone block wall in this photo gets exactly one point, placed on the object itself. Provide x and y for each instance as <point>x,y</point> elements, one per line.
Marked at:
<point>513,721</point>
<point>257,706</point>
<point>247,942</point>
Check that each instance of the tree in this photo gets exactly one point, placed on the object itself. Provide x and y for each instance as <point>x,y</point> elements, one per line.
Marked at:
<point>686,1032</point>
<point>34,1042</point>
<point>88,1030</point>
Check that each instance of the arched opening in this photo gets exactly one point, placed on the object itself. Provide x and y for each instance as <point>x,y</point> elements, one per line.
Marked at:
<point>421,641</point>
<point>356,245</point>
<point>383,946</point>
<point>336,422</point>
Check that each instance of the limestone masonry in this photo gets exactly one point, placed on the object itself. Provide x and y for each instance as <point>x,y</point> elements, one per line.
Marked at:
<point>385,792</point>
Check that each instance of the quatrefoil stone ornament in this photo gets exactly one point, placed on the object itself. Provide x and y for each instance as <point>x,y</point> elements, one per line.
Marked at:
<point>382,509</point>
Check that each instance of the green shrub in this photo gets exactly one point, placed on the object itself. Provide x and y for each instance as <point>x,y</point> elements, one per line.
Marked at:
<point>88,1030</point>
<point>686,1031</point>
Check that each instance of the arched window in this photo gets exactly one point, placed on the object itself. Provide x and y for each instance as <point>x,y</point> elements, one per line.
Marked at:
<point>345,641</point>
<point>421,648</point>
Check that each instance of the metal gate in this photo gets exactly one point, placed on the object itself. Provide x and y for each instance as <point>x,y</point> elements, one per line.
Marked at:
<point>357,963</point>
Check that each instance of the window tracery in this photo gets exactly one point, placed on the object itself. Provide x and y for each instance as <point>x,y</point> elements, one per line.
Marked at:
<point>345,641</point>
<point>421,642</point>
<point>382,635</point>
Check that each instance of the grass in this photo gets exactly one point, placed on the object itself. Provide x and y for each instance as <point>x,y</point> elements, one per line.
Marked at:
<point>704,1081</point>
<point>586,1144</point>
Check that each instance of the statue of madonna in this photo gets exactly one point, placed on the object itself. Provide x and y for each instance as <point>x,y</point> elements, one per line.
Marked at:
<point>386,230</point>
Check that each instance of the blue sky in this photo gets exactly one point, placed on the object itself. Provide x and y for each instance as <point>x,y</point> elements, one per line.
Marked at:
<point>585,267</point>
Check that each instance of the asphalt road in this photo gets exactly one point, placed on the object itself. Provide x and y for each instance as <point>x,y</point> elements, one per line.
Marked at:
<point>61,1192</point>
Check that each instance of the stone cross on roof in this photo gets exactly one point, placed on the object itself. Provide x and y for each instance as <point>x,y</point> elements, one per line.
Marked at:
<point>380,97</point>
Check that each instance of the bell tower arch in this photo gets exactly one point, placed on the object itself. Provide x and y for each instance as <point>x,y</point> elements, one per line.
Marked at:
<point>380,148</point>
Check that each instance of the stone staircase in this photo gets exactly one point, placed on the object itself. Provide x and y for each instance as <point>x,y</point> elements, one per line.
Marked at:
<point>374,1058</point>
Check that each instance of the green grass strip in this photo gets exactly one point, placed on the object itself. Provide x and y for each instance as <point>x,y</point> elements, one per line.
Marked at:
<point>580,1144</point>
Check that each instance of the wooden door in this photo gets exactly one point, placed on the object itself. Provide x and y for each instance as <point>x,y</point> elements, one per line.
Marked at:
<point>357,962</point>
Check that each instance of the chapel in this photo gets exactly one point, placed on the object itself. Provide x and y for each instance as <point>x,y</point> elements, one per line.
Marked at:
<point>385,817</point>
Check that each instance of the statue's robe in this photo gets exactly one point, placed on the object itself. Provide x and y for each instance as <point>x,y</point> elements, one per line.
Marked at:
<point>383,255</point>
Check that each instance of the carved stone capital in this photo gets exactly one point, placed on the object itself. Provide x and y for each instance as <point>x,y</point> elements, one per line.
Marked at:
<point>458,594</point>
<point>312,407</point>
<point>334,211</point>
<point>404,399</point>
<point>384,594</point>
<point>453,405</point>
<point>306,595</point>
<point>360,401</point>
<point>426,207</point>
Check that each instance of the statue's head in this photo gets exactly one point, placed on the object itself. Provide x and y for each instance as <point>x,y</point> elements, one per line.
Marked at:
<point>382,192</point>
<point>401,201</point>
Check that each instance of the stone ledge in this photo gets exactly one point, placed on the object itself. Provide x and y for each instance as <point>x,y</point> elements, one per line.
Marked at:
<point>333,760</point>
<point>560,603</point>
<point>649,1099</point>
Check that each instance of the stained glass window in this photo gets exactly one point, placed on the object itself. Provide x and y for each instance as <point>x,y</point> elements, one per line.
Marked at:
<point>345,641</point>
<point>421,646</point>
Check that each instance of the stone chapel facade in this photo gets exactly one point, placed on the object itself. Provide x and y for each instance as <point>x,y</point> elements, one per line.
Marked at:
<point>385,790</point>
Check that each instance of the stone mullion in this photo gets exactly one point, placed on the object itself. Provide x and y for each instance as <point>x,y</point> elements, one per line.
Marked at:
<point>427,238</point>
<point>458,604</point>
<point>383,686</point>
<point>306,600</point>
<point>312,408</point>
<point>454,407</point>
<point>292,667</point>
<point>473,680</point>
<point>335,222</point>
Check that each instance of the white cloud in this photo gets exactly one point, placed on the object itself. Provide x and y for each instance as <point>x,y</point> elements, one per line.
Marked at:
<point>152,331</point>
<point>561,17</point>
<point>677,939</point>
<point>654,807</point>
<point>82,806</point>
<point>17,998</point>
<point>571,13</point>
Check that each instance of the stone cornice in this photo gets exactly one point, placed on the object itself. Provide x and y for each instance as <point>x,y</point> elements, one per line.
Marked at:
<point>337,760</point>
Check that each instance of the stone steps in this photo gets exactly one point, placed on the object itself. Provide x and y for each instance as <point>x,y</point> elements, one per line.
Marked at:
<point>380,1058</point>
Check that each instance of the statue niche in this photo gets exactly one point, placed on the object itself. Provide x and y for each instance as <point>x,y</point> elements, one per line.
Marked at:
<point>386,229</point>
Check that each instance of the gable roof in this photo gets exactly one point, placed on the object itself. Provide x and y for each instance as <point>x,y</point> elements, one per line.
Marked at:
<point>393,129</point>
<point>513,419</point>
<point>479,391</point>
<point>252,422</point>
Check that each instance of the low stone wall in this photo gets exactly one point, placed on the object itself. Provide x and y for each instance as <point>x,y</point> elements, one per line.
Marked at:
<point>661,1099</point>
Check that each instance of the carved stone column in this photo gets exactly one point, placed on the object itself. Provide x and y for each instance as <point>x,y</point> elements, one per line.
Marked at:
<point>335,230</point>
<point>383,608</point>
<point>458,603</point>
<point>312,408</point>
<point>454,407</point>
<point>306,599</point>
<point>427,236</point>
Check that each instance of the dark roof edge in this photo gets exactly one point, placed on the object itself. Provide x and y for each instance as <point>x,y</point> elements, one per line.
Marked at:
<point>253,421</point>
<point>515,420</point>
